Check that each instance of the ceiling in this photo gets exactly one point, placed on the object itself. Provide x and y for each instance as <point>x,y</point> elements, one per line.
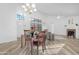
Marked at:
<point>58,9</point>
<point>52,9</point>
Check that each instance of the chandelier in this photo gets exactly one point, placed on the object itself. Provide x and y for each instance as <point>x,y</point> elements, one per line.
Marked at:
<point>29,8</point>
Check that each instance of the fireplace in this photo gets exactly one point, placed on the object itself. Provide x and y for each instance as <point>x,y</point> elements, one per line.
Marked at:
<point>71,33</point>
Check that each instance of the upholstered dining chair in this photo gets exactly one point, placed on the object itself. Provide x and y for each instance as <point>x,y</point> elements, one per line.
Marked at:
<point>40,40</point>
<point>27,36</point>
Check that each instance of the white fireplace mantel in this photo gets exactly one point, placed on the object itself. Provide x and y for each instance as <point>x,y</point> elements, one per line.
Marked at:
<point>71,26</point>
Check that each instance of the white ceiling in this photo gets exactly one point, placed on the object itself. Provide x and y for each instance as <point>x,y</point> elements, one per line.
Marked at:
<point>59,9</point>
<point>53,9</point>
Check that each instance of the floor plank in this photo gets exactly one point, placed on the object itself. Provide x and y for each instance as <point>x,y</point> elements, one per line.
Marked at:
<point>57,47</point>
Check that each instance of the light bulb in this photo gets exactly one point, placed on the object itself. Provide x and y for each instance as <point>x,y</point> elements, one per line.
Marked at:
<point>23,6</point>
<point>31,11</point>
<point>25,9</point>
<point>35,9</point>
<point>33,5</point>
<point>27,4</point>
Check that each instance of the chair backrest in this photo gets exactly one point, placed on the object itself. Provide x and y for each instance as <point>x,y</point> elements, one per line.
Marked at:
<point>41,35</point>
<point>27,34</point>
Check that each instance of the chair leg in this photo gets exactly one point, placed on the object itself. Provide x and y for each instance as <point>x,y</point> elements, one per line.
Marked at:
<point>31,47</point>
<point>43,47</point>
<point>38,48</point>
<point>25,42</point>
<point>21,41</point>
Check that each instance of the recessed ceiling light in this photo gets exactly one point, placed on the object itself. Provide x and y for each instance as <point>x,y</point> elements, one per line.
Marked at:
<point>58,17</point>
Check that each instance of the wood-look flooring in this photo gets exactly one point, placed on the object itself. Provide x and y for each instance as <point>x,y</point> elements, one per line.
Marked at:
<point>63,46</point>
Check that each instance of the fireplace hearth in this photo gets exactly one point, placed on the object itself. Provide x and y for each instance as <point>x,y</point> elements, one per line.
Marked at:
<point>71,33</point>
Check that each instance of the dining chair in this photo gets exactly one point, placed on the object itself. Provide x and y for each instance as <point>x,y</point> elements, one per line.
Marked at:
<point>39,41</point>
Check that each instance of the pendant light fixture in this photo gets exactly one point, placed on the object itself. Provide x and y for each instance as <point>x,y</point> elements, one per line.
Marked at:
<point>29,8</point>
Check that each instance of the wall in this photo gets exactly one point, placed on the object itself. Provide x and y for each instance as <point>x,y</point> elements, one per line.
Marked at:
<point>7,22</point>
<point>77,31</point>
<point>59,25</point>
<point>49,20</point>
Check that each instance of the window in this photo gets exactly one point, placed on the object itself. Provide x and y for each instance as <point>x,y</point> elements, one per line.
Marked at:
<point>20,17</point>
<point>37,23</point>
